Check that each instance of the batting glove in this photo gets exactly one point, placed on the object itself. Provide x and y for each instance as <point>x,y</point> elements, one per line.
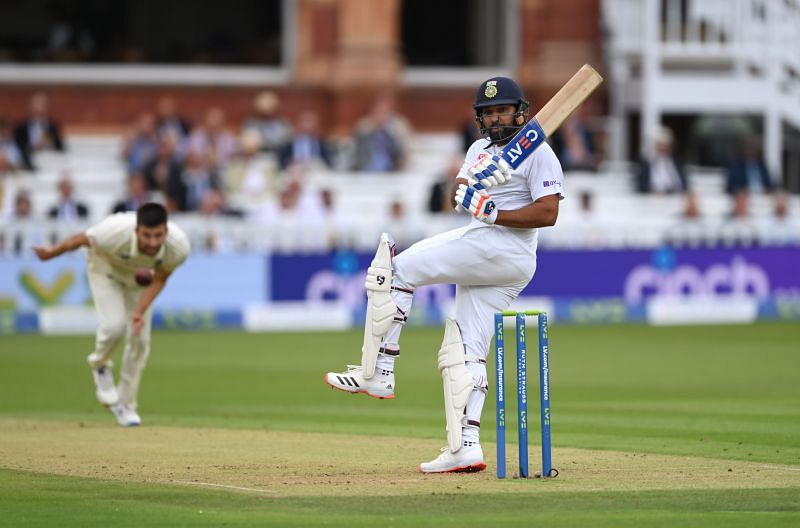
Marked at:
<point>489,172</point>
<point>477,202</point>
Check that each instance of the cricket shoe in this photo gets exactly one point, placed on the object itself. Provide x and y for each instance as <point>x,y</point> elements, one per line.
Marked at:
<point>381,385</point>
<point>468,459</point>
<point>105,390</point>
<point>125,416</point>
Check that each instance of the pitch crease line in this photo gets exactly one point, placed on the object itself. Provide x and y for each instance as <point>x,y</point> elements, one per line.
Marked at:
<point>226,486</point>
<point>781,467</point>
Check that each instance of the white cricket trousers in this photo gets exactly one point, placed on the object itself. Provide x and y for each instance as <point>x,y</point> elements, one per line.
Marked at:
<point>115,304</point>
<point>490,266</point>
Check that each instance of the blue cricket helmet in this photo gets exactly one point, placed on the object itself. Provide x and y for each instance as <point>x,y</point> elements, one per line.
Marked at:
<point>501,91</point>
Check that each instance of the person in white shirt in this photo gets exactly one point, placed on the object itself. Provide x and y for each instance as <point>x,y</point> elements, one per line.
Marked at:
<point>663,172</point>
<point>130,256</point>
<point>490,261</point>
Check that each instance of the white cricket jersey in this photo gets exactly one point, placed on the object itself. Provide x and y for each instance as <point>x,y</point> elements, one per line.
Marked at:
<point>539,175</point>
<point>114,249</point>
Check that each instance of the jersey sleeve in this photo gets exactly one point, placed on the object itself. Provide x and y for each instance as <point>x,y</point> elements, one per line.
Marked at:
<point>109,231</point>
<point>546,175</point>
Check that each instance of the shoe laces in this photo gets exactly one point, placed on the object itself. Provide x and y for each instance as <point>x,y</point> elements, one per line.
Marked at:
<point>352,368</point>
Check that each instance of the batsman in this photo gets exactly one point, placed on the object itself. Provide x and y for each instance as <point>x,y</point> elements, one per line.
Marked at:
<point>490,260</point>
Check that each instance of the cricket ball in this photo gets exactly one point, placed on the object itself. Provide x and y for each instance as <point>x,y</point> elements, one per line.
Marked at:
<point>143,276</point>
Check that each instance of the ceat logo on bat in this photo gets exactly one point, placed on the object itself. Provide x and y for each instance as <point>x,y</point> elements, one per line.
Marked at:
<point>528,142</point>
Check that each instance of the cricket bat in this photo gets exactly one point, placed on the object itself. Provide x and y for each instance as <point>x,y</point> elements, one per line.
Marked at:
<point>551,115</point>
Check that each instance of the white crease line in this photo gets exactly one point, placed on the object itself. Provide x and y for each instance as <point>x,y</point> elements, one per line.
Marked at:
<point>785,468</point>
<point>212,485</point>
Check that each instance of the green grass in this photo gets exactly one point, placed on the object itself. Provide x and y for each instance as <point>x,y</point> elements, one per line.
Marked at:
<point>728,392</point>
<point>83,502</point>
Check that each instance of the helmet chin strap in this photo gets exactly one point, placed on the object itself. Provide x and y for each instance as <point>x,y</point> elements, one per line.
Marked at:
<point>508,131</point>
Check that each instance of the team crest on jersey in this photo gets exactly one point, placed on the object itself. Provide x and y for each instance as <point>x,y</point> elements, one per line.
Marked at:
<point>491,89</point>
<point>482,155</point>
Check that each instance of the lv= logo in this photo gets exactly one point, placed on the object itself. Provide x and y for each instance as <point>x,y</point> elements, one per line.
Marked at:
<point>47,295</point>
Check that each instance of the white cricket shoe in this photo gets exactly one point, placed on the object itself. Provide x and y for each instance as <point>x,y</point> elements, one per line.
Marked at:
<point>381,385</point>
<point>468,459</point>
<point>105,390</point>
<point>125,416</point>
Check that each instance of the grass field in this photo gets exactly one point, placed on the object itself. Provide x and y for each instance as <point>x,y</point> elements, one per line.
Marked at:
<point>680,426</point>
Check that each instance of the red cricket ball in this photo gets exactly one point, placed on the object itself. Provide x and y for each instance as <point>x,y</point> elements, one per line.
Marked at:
<point>143,276</point>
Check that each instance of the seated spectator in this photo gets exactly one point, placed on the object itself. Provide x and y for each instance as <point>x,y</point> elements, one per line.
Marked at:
<point>8,147</point>
<point>306,145</point>
<point>440,198</point>
<point>381,139</point>
<point>138,194</point>
<point>197,177</point>
<point>213,139</point>
<point>748,172</point>
<point>67,209</point>
<point>251,173</point>
<point>780,228</point>
<point>272,128</point>
<point>166,167</point>
<point>23,208</point>
<point>404,229</point>
<point>141,145</point>
<point>338,223</point>
<point>8,190</point>
<point>213,203</point>
<point>663,173</point>
<point>38,132</point>
<point>573,144</point>
<point>691,207</point>
<point>169,122</point>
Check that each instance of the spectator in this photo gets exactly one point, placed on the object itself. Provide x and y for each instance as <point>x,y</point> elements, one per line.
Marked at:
<point>573,144</point>
<point>38,132</point>
<point>213,203</point>
<point>748,173</point>
<point>780,228</point>
<point>405,230</point>
<point>306,146</point>
<point>338,224</point>
<point>251,173</point>
<point>663,173</point>
<point>440,198</point>
<point>69,39</point>
<point>213,139</point>
<point>741,205</point>
<point>166,167</point>
<point>169,122</point>
<point>23,207</point>
<point>8,190</point>
<point>197,178</point>
<point>381,139</point>
<point>23,211</point>
<point>691,207</point>
<point>141,146</point>
<point>138,195</point>
<point>8,147</point>
<point>67,209</point>
<point>273,129</point>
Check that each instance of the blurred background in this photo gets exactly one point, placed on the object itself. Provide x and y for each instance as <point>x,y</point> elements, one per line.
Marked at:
<point>285,135</point>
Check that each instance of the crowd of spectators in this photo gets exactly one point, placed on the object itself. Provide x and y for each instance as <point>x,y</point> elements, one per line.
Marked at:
<point>259,169</point>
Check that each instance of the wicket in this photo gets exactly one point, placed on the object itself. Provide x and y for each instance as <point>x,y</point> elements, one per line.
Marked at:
<point>522,392</point>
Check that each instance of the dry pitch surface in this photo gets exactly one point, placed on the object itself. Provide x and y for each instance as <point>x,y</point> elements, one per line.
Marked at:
<point>284,464</point>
